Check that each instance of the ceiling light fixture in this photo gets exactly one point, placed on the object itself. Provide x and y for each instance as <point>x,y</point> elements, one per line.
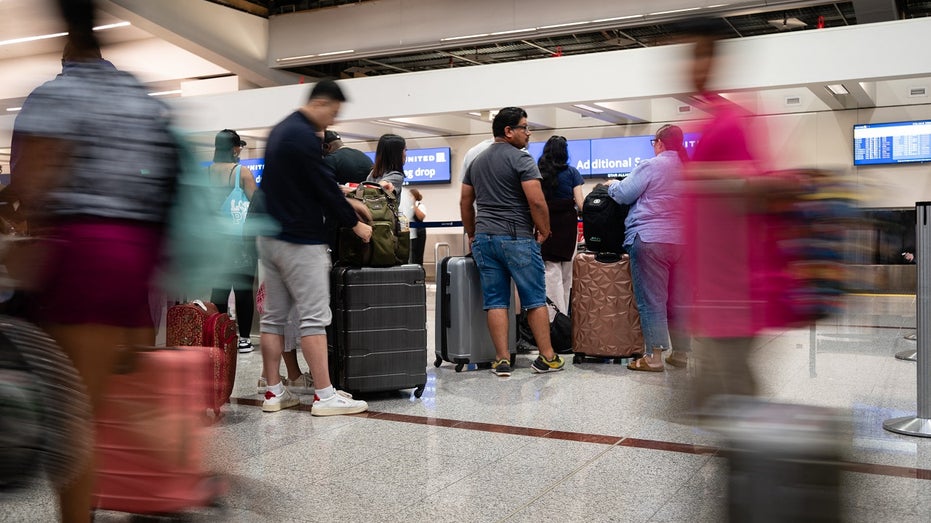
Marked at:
<point>557,26</point>
<point>165,93</point>
<point>466,37</point>
<point>306,56</point>
<point>14,109</point>
<point>513,31</point>
<point>674,11</point>
<point>111,26</point>
<point>588,108</point>
<point>837,89</point>
<point>616,18</point>
<point>58,35</point>
<point>473,113</point>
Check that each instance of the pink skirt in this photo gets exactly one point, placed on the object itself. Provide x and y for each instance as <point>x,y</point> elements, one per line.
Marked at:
<point>100,272</point>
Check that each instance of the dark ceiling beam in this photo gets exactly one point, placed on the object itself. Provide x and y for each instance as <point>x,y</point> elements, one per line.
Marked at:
<point>244,5</point>
<point>869,11</point>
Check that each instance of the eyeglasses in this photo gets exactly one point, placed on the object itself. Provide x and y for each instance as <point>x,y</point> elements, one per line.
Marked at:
<point>653,141</point>
<point>523,128</point>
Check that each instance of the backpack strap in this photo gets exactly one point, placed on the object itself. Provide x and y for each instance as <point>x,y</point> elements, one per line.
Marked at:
<point>238,169</point>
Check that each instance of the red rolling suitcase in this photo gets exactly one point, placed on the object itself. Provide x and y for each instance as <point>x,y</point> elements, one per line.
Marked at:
<point>605,321</point>
<point>151,433</point>
<point>201,325</point>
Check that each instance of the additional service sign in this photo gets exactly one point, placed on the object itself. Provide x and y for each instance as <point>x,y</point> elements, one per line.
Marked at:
<point>580,154</point>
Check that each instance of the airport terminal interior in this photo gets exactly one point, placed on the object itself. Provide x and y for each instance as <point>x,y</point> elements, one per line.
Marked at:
<point>596,442</point>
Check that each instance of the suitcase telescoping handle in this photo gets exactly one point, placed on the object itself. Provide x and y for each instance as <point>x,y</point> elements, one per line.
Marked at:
<point>436,252</point>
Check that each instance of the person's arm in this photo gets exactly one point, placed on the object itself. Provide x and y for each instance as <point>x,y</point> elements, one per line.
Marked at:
<point>577,196</point>
<point>323,183</point>
<point>247,182</point>
<point>467,210</point>
<point>419,212</point>
<point>630,188</point>
<point>539,211</point>
<point>41,163</point>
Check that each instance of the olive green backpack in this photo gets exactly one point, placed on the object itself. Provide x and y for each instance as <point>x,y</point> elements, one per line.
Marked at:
<point>391,240</point>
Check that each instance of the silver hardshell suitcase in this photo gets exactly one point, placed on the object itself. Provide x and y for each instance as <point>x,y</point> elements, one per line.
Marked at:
<point>461,328</point>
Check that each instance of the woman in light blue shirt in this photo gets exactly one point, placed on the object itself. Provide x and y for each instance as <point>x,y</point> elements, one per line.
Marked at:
<point>654,240</point>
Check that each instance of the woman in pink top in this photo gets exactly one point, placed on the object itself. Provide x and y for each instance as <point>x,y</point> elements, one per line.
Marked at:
<point>734,266</point>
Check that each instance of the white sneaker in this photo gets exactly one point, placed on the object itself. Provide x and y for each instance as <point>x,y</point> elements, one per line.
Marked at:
<point>337,404</point>
<point>275,403</point>
<point>245,345</point>
<point>262,385</point>
<point>304,384</point>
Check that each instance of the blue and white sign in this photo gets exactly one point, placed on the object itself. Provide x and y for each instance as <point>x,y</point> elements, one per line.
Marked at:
<point>256,165</point>
<point>425,165</point>
<point>610,157</point>
<point>580,154</point>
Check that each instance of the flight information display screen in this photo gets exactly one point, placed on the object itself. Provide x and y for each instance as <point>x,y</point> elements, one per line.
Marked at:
<point>894,142</point>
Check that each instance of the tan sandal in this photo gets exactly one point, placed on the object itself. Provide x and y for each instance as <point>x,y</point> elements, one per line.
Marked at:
<point>642,365</point>
<point>678,360</point>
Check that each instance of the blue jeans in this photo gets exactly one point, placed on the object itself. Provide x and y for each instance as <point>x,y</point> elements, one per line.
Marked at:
<point>502,258</point>
<point>658,271</point>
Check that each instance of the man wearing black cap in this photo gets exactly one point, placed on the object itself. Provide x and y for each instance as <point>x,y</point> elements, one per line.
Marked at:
<point>349,165</point>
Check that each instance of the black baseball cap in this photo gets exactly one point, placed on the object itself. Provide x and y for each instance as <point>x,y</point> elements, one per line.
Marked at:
<point>330,136</point>
<point>227,139</point>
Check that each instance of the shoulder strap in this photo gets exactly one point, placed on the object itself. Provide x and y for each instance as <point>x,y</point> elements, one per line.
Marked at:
<point>238,169</point>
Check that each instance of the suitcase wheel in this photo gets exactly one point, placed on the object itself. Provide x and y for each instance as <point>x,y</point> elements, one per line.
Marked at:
<point>459,367</point>
<point>418,392</point>
<point>438,362</point>
<point>577,359</point>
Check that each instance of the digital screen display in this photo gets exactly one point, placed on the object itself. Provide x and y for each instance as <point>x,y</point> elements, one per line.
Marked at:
<point>425,165</point>
<point>895,142</point>
<point>580,154</point>
<point>610,157</point>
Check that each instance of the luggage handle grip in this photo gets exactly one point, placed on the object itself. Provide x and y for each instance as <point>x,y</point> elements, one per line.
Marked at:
<point>436,252</point>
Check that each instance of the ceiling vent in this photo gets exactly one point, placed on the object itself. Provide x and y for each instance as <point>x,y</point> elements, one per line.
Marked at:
<point>793,100</point>
<point>684,109</point>
<point>917,92</point>
<point>787,24</point>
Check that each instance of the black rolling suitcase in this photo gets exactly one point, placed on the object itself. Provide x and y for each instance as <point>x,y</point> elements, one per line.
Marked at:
<point>461,328</point>
<point>784,460</point>
<point>378,337</point>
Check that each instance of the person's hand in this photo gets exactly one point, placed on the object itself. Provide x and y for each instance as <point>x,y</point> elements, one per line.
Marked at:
<point>363,230</point>
<point>346,189</point>
<point>387,185</point>
<point>541,237</point>
<point>909,257</point>
<point>611,182</point>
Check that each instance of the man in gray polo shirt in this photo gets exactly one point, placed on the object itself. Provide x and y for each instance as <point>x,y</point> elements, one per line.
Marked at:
<point>506,230</point>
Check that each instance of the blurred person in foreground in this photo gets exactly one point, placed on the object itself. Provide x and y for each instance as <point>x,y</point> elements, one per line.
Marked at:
<point>653,237</point>
<point>505,216</point>
<point>562,187</point>
<point>96,169</point>
<point>299,188</point>
<point>238,273</point>
<point>732,260</point>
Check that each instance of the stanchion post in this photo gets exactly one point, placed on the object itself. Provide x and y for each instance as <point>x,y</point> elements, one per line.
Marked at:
<point>920,425</point>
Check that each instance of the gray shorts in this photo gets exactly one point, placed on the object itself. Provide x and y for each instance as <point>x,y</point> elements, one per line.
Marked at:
<point>297,275</point>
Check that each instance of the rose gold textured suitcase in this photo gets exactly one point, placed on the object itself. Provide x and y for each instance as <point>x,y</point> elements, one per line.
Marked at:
<point>152,434</point>
<point>605,322</point>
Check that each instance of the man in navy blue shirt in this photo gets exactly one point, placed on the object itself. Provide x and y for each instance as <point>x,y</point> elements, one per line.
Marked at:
<point>299,190</point>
